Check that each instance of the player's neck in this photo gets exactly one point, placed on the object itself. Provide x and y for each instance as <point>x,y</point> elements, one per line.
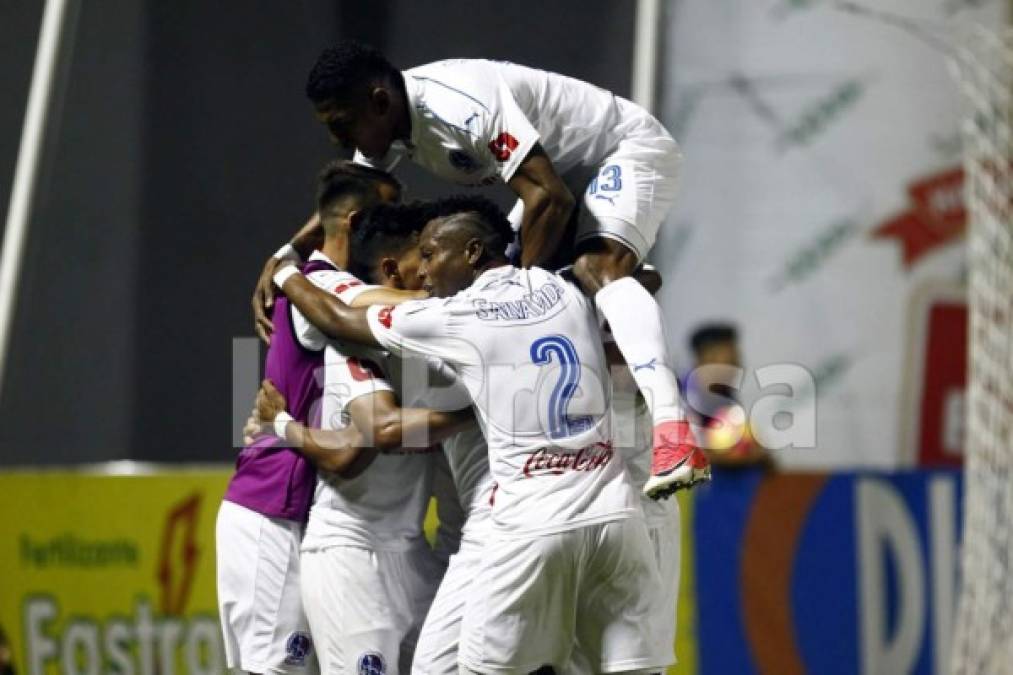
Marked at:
<point>403,128</point>
<point>336,249</point>
<point>490,265</point>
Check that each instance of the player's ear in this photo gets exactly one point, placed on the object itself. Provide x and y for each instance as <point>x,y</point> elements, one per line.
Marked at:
<point>474,250</point>
<point>389,269</point>
<point>379,98</point>
<point>354,218</point>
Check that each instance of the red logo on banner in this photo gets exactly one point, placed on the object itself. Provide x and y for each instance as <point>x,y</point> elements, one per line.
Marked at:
<point>936,217</point>
<point>941,414</point>
<point>178,557</point>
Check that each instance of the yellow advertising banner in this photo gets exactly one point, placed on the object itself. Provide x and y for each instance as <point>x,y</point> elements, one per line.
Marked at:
<point>110,573</point>
<point>105,573</point>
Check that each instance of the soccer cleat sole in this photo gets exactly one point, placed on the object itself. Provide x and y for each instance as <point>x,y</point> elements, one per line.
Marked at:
<point>681,478</point>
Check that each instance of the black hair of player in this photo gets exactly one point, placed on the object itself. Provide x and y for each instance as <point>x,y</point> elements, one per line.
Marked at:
<point>712,333</point>
<point>347,67</point>
<point>335,170</point>
<point>341,190</point>
<point>386,231</point>
<point>335,186</point>
<point>485,218</point>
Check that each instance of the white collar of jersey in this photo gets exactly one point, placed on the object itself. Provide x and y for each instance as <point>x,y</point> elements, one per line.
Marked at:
<point>317,255</point>
<point>414,90</point>
<point>495,273</point>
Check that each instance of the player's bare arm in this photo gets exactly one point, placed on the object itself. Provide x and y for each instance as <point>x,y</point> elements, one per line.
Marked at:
<point>391,427</point>
<point>333,317</point>
<point>339,452</point>
<point>312,235</point>
<point>386,296</point>
<point>602,261</point>
<point>343,452</point>
<point>379,424</point>
<point>547,207</point>
<point>308,238</point>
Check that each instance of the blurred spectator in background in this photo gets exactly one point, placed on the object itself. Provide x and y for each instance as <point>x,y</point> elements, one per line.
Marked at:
<point>711,391</point>
<point>6,657</point>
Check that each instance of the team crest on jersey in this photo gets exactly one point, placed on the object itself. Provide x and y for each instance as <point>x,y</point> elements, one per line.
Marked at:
<point>462,161</point>
<point>297,648</point>
<point>372,663</point>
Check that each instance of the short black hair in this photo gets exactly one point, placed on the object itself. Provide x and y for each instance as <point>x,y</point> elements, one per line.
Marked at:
<point>711,333</point>
<point>386,230</point>
<point>337,182</point>
<point>487,219</point>
<point>340,70</point>
<point>336,171</point>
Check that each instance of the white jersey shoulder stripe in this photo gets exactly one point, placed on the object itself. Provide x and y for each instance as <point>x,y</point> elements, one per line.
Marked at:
<point>425,109</point>
<point>453,89</point>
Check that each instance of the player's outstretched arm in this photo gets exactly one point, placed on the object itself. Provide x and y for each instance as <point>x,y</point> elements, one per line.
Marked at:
<point>391,427</point>
<point>309,237</point>
<point>387,428</point>
<point>547,207</point>
<point>333,317</point>
<point>378,424</point>
<point>386,296</point>
<point>342,452</point>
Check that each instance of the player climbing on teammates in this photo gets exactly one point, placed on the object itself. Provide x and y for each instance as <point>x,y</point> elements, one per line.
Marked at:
<point>477,122</point>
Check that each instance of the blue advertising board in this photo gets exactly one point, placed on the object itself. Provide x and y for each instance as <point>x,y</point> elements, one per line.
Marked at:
<point>826,573</point>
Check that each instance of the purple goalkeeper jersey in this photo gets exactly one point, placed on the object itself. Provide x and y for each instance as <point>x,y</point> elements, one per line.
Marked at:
<point>270,478</point>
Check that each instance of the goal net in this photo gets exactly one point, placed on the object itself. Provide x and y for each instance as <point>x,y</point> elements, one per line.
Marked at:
<point>983,639</point>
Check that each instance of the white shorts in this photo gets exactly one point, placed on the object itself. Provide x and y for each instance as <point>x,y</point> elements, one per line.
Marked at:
<point>535,598</point>
<point>263,624</point>
<point>665,541</point>
<point>633,191</point>
<point>365,607</point>
<point>437,648</point>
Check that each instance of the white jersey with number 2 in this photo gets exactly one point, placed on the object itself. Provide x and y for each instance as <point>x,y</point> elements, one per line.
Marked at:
<point>525,343</point>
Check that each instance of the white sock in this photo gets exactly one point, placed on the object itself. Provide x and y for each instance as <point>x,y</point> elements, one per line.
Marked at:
<point>635,320</point>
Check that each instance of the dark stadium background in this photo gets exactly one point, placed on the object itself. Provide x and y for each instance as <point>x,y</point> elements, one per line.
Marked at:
<point>838,228</point>
<point>176,169</point>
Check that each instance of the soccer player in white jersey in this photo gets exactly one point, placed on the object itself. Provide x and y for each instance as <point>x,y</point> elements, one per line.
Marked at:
<point>384,250</point>
<point>264,509</point>
<point>367,574</point>
<point>387,237</point>
<point>568,560</point>
<point>386,243</point>
<point>478,122</point>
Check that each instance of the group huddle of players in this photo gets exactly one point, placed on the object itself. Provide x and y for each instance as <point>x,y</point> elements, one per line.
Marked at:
<point>425,349</point>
